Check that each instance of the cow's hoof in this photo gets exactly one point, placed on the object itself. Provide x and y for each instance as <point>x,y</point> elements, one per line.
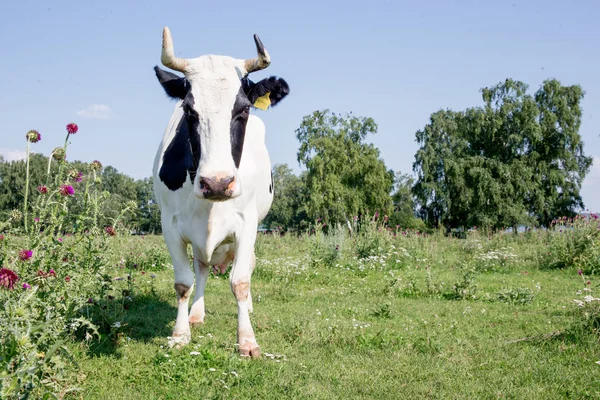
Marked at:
<point>178,340</point>
<point>249,349</point>
<point>195,321</point>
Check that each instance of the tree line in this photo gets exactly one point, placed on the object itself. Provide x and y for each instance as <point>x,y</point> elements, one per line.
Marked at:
<point>517,159</point>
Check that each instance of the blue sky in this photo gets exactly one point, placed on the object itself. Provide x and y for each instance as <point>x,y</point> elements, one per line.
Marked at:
<point>90,62</point>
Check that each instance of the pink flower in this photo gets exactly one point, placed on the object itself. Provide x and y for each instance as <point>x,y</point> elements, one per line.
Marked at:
<point>580,272</point>
<point>33,136</point>
<point>8,278</point>
<point>25,255</point>
<point>1,238</point>
<point>67,279</point>
<point>67,190</point>
<point>43,189</point>
<point>110,231</point>
<point>72,128</point>
<point>26,286</point>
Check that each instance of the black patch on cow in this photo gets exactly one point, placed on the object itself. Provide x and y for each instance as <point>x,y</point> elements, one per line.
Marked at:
<point>272,185</point>
<point>239,119</point>
<point>182,156</point>
<point>175,87</point>
<point>278,88</point>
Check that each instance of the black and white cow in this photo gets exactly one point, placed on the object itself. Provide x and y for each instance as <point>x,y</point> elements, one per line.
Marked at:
<point>212,177</point>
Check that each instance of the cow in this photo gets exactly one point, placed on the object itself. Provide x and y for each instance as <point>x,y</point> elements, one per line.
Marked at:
<point>212,178</point>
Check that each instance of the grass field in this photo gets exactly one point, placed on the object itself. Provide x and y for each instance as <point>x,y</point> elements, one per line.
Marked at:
<point>435,318</point>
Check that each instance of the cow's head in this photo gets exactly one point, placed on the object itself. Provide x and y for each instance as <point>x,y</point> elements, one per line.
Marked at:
<point>216,97</point>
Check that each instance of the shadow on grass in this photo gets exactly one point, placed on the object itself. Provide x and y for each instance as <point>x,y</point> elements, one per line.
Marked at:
<point>145,318</point>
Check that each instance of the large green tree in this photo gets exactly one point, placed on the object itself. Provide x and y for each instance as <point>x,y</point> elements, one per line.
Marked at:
<point>404,204</point>
<point>345,175</point>
<point>517,160</point>
<point>287,210</point>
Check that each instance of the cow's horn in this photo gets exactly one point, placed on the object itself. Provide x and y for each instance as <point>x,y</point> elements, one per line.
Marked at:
<point>262,61</point>
<point>168,55</point>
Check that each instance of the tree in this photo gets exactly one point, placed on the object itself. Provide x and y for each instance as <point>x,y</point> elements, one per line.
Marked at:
<point>12,181</point>
<point>404,204</point>
<point>345,175</point>
<point>516,160</point>
<point>148,215</point>
<point>287,210</point>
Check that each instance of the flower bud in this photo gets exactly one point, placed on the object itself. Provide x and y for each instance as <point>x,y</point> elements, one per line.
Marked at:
<point>59,154</point>
<point>33,136</point>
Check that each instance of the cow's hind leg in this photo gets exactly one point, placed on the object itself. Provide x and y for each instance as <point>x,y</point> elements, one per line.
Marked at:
<point>184,282</point>
<point>240,286</point>
<point>197,312</point>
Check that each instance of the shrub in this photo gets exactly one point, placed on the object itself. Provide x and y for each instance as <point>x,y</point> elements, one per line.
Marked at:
<point>516,296</point>
<point>325,248</point>
<point>573,242</point>
<point>371,236</point>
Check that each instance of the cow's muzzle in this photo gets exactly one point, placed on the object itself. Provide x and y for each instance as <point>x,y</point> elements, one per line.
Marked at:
<point>217,189</point>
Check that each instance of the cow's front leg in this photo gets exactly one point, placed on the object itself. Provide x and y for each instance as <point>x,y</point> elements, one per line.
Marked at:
<point>240,286</point>
<point>252,265</point>
<point>197,312</point>
<point>184,282</point>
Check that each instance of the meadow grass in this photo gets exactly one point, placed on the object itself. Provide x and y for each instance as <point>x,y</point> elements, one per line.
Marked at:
<point>374,313</point>
<point>393,326</point>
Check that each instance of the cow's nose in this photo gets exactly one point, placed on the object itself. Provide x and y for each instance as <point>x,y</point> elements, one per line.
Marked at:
<point>217,188</point>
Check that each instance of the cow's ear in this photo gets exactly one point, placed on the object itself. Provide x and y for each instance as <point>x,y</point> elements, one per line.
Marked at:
<point>175,86</point>
<point>267,92</point>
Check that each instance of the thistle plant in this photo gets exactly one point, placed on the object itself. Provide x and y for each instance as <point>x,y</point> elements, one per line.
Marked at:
<point>52,252</point>
<point>32,136</point>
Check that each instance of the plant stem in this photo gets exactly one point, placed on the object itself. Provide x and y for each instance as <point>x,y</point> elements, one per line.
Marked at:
<point>25,207</point>
<point>48,170</point>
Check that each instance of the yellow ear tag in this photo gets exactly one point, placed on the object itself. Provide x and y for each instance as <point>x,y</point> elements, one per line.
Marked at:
<point>263,102</point>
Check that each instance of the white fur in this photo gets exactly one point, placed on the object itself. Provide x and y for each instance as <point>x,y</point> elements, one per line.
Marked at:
<point>215,228</point>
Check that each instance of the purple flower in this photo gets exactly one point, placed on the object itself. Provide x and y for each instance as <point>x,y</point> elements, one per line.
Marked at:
<point>72,128</point>
<point>25,255</point>
<point>8,278</point>
<point>75,175</point>
<point>26,286</point>
<point>67,190</point>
